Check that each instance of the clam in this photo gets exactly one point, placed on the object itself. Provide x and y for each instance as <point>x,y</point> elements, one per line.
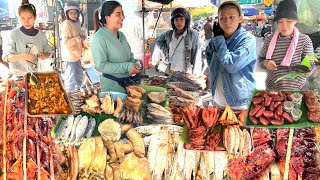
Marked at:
<point>157,97</point>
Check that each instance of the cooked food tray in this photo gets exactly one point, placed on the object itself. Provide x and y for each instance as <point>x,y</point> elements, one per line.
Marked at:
<point>47,97</point>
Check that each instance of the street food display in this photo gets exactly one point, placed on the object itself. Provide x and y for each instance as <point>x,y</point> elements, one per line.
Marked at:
<point>304,160</point>
<point>165,131</point>
<point>2,116</point>
<point>27,141</point>
<point>277,109</point>
<point>313,106</point>
<point>268,108</point>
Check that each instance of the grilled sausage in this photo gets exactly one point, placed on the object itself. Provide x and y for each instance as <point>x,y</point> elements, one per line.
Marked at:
<point>264,121</point>
<point>268,113</point>
<point>277,121</point>
<point>287,117</point>
<point>279,110</point>
<point>271,107</point>
<point>260,112</point>
<point>255,110</point>
<point>254,120</point>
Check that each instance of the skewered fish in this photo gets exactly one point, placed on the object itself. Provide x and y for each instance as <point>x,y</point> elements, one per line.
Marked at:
<point>231,142</point>
<point>241,142</point>
<point>237,141</point>
<point>247,143</point>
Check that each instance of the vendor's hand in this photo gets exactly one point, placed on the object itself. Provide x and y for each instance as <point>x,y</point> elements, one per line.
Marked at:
<point>135,69</point>
<point>83,38</point>
<point>29,57</point>
<point>139,64</point>
<point>270,65</point>
<point>217,31</point>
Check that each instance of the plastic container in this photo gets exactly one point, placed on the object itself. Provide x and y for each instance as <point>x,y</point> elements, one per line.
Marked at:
<point>297,104</point>
<point>296,114</point>
<point>288,106</point>
<point>296,97</point>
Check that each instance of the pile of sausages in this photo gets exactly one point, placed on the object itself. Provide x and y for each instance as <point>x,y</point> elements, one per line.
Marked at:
<point>267,108</point>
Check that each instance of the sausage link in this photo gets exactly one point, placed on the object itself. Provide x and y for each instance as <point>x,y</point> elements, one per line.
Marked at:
<point>286,116</point>
<point>260,94</point>
<point>280,94</point>
<point>257,100</point>
<point>254,120</point>
<point>279,110</point>
<point>271,107</point>
<point>277,121</point>
<point>273,93</point>
<point>276,116</point>
<point>276,104</point>
<point>260,112</point>
<point>268,113</point>
<point>267,101</point>
<point>255,110</point>
<point>264,121</point>
<point>278,98</point>
<point>288,95</point>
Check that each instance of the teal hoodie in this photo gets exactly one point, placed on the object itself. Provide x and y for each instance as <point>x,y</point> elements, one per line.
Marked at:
<point>111,56</point>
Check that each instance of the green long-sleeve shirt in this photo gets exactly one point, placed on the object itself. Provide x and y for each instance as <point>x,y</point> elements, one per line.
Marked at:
<point>112,56</point>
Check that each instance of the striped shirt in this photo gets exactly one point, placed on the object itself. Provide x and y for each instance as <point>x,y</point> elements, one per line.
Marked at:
<point>304,47</point>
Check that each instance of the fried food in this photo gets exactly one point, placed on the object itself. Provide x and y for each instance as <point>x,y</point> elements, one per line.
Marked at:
<point>47,97</point>
<point>139,89</point>
<point>134,93</point>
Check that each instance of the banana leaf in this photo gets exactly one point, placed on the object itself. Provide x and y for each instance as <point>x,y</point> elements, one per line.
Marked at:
<point>307,61</point>
<point>300,68</point>
<point>291,75</point>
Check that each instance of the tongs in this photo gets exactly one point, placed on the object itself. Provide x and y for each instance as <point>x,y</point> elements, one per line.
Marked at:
<point>33,78</point>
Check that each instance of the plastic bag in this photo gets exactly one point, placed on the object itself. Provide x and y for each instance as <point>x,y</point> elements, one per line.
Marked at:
<point>150,20</point>
<point>86,59</point>
<point>308,11</point>
<point>162,23</point>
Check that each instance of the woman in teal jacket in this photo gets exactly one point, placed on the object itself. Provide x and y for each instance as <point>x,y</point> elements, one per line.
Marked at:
<point>110,50</point>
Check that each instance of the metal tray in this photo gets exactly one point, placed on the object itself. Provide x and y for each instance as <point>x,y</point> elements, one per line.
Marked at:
<point>66,97</point>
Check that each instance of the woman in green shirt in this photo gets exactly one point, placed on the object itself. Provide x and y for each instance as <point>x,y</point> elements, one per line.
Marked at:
<point>110,50</point>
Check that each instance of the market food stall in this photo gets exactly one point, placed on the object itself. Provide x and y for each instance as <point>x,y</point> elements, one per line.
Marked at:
<point>163,128</point>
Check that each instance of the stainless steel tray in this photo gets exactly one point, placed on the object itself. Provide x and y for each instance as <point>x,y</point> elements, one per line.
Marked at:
<point>66,97</point>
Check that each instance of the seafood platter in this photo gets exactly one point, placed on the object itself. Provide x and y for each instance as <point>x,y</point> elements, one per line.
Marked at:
<point>277,109</point>
<point>46,97</point>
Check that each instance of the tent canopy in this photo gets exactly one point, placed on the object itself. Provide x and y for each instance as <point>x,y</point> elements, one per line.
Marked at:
<point>179,3</point>
<point>162,1</point>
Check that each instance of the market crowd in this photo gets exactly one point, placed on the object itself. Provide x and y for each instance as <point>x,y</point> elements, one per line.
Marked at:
<point>227,54</point>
